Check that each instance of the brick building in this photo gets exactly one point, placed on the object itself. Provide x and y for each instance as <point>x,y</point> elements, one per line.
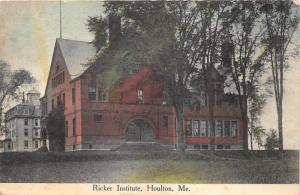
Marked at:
<point>131,110</point>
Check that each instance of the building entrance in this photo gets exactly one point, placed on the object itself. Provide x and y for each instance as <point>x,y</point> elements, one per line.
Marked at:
<point>139,131</point>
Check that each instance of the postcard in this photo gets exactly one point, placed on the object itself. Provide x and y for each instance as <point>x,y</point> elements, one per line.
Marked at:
<point>149,97</point>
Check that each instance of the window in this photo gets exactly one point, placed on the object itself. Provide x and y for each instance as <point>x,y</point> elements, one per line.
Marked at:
<point>189,128</point>
<point>36,132</point>
<point>140,96</point>
<point>57,68</point>
<point>196,128</point>
<point>74,126</point>
<point>164,97</point>
<point>26,111</point>
<point>101,95</point>
<point>165,122</point>
<point>73,96</point>
<point>227,146</point>
<point>8,146</point>
<point>97,117</point>
<point>219,128</point>
<point>204,147</point>
<point>203,101</point>
<point>197,146</point>
<point>36,122</point>
<point>187,101</point>
<point>203,128</point>
<point>25,132</point>
<point>25,144</point>
<point>134,69</point>
<point>227,128</point>
<point>36,144</point>
<point>66,128</point>
<point>52,103</point>
<point>58,79</point>
<point>92,93</point>
<point>63,98</point>
<point>219,147</point>
<point>233,128</point>
<point>58,100</point>
<point>26,121</point>
<point>44,108</point>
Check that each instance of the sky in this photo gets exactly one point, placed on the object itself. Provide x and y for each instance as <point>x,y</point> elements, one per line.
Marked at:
<point>27,36</point>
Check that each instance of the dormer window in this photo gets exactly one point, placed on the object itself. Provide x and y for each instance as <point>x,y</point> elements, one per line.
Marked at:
<point>134,69</point>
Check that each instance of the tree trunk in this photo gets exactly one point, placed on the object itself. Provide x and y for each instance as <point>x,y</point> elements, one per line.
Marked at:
<point>245,131</point>
<point>211,103</point>
<point>1,109</point>
<point>251,140</point>
<point>180,130</point>
<point>251,132</point>
<point>280,127</point>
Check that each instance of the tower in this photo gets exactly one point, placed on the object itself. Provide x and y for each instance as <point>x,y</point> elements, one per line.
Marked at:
<point>33,97</point>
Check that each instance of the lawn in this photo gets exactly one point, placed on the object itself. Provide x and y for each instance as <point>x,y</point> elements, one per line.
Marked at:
<point>150,167</point>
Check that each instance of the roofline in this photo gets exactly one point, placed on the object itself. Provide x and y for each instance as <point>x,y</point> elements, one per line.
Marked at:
<point>79,75</point>
<point>51,65</point>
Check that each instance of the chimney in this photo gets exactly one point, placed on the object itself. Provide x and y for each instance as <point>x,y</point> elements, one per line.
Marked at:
<point>227,54</point>
<point>114,27</point>
<point>23,99</point>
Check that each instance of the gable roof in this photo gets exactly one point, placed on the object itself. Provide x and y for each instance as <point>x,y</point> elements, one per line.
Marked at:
<point>76,53</point>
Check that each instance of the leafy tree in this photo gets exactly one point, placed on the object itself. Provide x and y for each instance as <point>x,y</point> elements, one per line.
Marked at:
<point>243,40</point>
<point>258,134</point>
<point>55,125</point>
<point>11,82</point>
<point>98,25</point>
<point>170,37</point>
<point>256,104</point>
<point>215,18</point>
<point>272,141</point>
<point>281,19</point>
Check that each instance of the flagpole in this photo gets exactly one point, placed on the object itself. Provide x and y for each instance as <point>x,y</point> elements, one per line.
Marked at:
<point>60,23</point>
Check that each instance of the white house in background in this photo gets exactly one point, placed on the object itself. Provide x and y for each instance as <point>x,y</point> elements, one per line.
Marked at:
<point>2,138</point>
<point>23,130</point>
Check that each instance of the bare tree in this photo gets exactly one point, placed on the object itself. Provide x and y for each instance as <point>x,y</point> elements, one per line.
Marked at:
<point>281,19</point>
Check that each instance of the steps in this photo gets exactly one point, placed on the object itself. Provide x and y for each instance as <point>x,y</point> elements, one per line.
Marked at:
<point>142,146</point>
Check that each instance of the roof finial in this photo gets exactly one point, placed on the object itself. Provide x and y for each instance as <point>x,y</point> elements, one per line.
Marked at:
<point>60,21</point>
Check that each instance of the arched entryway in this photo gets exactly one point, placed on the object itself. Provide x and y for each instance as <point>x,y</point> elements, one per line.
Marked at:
<point>139,130</point>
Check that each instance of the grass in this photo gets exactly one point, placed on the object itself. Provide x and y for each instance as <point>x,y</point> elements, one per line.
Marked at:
<point>151,167</point>
<point>220,171</point>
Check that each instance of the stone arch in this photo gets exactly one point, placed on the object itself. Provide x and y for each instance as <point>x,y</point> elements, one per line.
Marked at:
<point>140,129</point>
